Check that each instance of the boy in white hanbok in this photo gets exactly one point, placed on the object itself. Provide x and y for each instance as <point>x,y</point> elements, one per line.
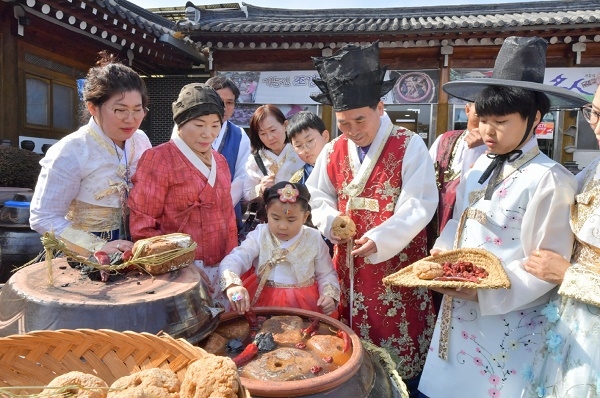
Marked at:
<point>512,201</point>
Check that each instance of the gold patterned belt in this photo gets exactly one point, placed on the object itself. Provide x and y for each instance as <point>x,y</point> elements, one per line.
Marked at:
<point>583,276</point>
<point>306,283</point>
<point>360,203</point>
<point>587,255</point>
<point>89,217</point>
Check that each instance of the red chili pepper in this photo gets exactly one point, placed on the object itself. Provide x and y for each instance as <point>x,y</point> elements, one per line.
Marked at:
<point>246,356</point>
<point>127,255</point>
<point>315,369</point>
<point>311,330</point>
<point>252,319</point>
<point>327,359</point>
<point>102,258</point>
<point>300,346</point>
<point>347,341</point>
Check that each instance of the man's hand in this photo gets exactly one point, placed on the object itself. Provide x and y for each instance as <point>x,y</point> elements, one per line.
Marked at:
<point>473,138</point>
<point>364,247</point>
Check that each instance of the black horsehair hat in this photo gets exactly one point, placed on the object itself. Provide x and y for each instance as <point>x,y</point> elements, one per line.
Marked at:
<point>521,62</point>
<point>352,78</point>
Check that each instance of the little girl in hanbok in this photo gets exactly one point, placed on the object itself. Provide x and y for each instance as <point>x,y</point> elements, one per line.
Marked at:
<point>289,262</point>
<point>513,201</point>
<point>568,362</point>
<point>184,185</point>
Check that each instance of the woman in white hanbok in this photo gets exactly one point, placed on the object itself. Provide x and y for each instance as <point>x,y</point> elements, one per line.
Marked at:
<point>567,365</point>
<point>271,147</point>
<point>81,193</point>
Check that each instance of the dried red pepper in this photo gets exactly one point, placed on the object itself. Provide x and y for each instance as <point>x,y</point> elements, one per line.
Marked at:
<point>346,338</point>
<point>250,316</point>
<point>311,330</point>
<point>246,356</point>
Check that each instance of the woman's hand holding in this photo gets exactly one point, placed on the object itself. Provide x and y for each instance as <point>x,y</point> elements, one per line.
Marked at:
<point>266,182</point>
<point>547,266</point>
<point>116,246</point>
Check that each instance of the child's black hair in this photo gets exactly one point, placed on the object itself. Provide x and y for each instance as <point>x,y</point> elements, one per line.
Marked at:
<point>302,121</point>
<point>302,199</point>
<point>303,195</point>
<point>503,100</point>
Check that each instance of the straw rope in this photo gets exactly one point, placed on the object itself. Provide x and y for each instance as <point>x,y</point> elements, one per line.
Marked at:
<point>53,245</point>
<point>384,357</point>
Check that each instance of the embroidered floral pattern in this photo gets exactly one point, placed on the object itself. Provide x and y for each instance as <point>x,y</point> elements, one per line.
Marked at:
<point>400,320</point>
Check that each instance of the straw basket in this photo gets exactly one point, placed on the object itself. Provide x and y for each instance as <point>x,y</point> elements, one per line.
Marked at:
<point>496,278</point>
<point>36,358</point>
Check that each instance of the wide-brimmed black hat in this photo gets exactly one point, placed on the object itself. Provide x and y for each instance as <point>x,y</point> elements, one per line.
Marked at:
<point>352,78</point>
<point>521,62</point>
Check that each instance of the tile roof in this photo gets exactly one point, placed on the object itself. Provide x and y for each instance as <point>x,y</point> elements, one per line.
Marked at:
<point>147,20</point>
<point>259,20</point>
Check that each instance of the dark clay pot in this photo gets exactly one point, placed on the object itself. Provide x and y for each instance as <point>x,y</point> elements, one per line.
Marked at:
<point>176,303</point>
<point>45,148</point>
<point>18,245</point>
<point>28,144</point>
<point>360,377</point>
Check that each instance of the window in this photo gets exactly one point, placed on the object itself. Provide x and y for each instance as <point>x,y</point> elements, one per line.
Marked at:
<point>37,101</point>
<point>50,105</point>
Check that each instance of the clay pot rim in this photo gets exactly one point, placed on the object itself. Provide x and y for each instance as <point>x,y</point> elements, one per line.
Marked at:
<point>296,388</point>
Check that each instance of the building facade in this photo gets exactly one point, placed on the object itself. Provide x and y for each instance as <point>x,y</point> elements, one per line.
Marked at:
<point>428,46</point>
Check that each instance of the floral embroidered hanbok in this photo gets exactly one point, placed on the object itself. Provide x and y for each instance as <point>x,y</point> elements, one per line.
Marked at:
<point>491,343</point>
<point>294,273</point>
<point>568,363</point>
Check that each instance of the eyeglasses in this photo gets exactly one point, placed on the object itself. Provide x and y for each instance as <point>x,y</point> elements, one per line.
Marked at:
<point>590,114</point>
<point>124,113</point>
<point>310,144</point>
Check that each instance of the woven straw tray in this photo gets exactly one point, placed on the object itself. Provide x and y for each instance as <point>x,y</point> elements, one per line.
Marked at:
<point>34,359</point>
<point>496,278</point>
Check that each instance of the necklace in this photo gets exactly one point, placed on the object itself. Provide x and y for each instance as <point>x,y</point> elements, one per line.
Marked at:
<point>123,169</point>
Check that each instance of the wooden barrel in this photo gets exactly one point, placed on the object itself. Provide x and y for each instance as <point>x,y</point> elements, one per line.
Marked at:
<point>175,303</point>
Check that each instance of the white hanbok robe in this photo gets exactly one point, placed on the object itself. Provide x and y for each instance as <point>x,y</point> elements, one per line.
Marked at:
<point>568,363</point>
<point>81,184</point>
<point>414,207</point>
<point>308,262</point>
<point>491,341</point>
<point>282,166</point>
